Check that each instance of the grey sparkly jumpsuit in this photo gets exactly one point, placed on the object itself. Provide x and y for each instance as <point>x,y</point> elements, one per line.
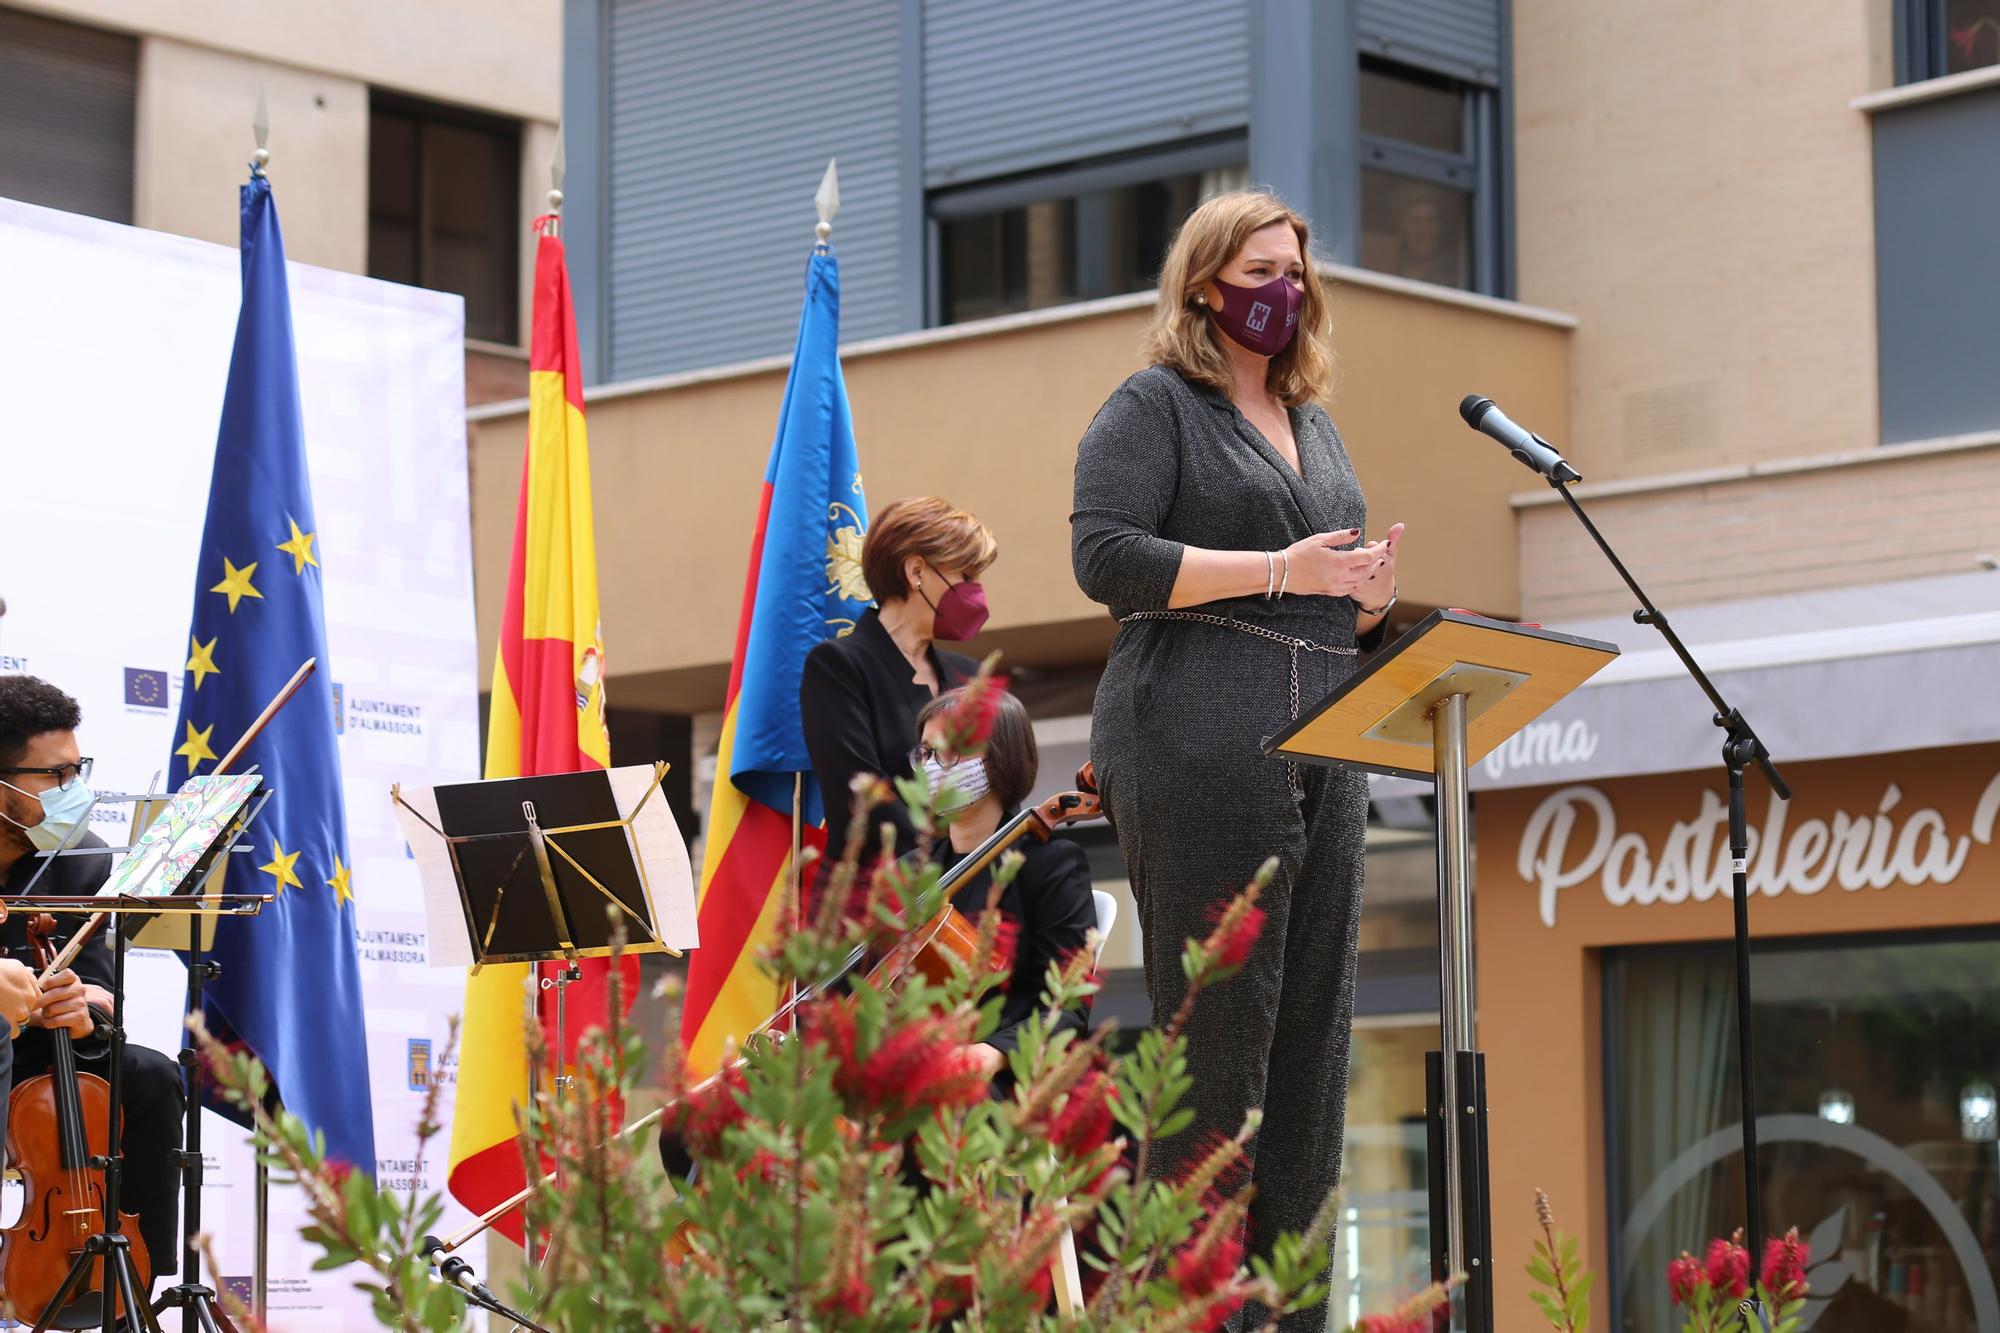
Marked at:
<point>1176,735</point>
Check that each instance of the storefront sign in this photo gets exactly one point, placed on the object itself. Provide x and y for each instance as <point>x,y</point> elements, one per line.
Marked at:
<point>1573,838</point>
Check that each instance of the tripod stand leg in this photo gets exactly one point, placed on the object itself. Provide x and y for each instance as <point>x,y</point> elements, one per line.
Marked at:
<point>79,1275</point>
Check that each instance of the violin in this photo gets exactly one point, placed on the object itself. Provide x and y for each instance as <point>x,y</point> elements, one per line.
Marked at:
<point>948,940</point>
<point>56,1123</point>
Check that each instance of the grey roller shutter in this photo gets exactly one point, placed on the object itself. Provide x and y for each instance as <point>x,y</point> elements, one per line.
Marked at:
<point>720,126</point>
<point>1456,37</point>
<point>1034,83</point>
<point>68,96</point>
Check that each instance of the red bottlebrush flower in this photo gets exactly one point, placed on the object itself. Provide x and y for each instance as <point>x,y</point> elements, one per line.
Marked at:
<point>922,1064</point>
<point>1220,1309</point>
<point>851,1298</point>
<point>337,1171</point>
<point>951,1296</point>
<point>705,1113</point>
<point>1237,925</point>
<point>764,1167</point>
<point>1209,1262</point>
<point>1728,1269</point>
<point>1084,1123</point>
<point>1683,1276</point>
<point>967,723</point>
<point>1785,1260</point>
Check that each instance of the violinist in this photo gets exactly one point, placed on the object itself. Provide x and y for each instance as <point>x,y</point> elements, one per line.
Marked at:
<point>860,693</point>
<point>1047,906</point>
<point>43,795</point>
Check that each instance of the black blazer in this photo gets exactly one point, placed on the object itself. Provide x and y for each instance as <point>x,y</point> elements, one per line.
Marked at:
<point>1049,902</point>
<point>859,701</point>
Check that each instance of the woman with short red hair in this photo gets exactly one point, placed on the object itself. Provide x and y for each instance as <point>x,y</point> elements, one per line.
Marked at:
<point>861,693</point>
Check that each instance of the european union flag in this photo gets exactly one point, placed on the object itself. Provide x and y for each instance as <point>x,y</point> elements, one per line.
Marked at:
<point>808,552</point>
<point>290,986</point>
<point>145,689</point>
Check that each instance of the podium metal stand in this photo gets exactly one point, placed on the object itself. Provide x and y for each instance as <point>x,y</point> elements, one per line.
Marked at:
<point>1432,704</point>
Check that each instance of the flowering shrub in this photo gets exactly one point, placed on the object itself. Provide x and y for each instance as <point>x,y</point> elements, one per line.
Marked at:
<point>1714,1288</point>
<point>859,1172</point>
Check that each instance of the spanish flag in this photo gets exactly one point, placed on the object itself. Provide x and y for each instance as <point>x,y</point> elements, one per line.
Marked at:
<point>547,717</point>
<point>804,586</point>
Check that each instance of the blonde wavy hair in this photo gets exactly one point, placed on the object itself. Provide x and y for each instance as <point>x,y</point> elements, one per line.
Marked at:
<point>1183,336</point>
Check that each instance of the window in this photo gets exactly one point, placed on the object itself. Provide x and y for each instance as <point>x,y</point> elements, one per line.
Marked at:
<point>444,208</point>
<point>68,97</point>
<point>1070,235</point>
<point>1939,37</point>
<point>1427,145</point>
<point>1877,1062</point>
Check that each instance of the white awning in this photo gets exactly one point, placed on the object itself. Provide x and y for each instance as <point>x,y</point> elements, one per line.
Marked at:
<point>1821,675</point>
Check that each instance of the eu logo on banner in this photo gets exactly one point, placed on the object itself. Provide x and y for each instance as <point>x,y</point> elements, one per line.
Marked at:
<point>420,1063</point>
<point>145,689</point>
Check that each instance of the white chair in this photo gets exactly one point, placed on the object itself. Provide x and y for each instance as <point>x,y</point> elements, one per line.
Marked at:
<point>1107,917</point>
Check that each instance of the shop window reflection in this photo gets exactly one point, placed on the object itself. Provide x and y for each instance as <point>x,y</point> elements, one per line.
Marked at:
<point>1875,1060</point>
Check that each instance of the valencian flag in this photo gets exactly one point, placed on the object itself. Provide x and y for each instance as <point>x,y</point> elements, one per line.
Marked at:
<point>290,987</point>
<point>547,717</point>
<point>804,586</point>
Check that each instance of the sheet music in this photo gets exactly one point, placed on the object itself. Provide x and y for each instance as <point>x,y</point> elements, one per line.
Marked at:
<point>444,918</point>
<point>662,853</point>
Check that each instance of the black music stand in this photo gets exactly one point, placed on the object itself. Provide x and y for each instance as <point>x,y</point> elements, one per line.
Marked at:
<point>551,869</point>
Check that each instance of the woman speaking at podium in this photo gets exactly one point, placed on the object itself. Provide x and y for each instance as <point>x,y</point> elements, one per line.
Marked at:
<point>1217,516</point>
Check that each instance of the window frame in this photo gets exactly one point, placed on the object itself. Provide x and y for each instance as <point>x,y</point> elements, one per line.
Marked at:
<point>1478,172</point>
<point>1609,1018</point>
<point>1922,40</point>
<point>956,203</point>
<point>424,113</point>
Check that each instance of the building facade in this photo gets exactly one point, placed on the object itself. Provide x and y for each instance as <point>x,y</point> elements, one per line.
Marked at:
<point>408,142</point>
<point>1737,262</point>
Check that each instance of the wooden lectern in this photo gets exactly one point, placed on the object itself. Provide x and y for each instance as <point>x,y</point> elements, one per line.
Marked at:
<point>1432,704</point>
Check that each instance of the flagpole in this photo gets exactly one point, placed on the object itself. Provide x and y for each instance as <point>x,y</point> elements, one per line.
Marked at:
<point>798,880</point>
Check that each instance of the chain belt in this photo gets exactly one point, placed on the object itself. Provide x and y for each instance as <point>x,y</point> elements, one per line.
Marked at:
<point>1294,645</point>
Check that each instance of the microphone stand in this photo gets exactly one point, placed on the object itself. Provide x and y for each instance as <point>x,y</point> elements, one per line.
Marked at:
<point>1740,749</point>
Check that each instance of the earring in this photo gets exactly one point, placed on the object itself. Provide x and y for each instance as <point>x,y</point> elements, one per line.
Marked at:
<point>1199,299</point>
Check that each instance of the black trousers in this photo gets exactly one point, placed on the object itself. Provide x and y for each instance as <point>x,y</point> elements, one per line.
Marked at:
<point>151,1117</point>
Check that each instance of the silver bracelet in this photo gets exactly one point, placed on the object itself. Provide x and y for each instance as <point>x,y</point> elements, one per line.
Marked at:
<point>1382,610</point>
<point>1270,575</point>
<point>1286,581</point>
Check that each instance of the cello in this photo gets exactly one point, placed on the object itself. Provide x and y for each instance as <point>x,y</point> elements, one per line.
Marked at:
<point>56,1123</point>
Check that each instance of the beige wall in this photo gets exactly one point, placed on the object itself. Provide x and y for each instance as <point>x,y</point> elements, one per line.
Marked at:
<point>1693,184</point>
<point>1877,515</point>
<point>201,65</point>
<point>500,55</point>
<point>194,144</point>
<point>989,416</point>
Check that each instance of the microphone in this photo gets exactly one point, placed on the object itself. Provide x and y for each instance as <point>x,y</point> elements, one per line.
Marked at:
<point>1484,416</point>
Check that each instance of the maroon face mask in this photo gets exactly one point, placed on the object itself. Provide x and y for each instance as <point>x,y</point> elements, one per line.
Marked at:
<point>960,613</point>
<point>1262,319</point>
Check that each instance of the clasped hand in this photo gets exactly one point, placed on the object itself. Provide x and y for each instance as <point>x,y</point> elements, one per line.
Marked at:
<point>1318,566</point>
<point>63,1003</point>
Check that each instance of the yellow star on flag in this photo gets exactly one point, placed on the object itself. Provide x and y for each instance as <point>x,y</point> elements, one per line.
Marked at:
<point>280,868</point>
<point>341,883</point>
<point>299,548</point>
<point>236,583</point>
<point>195,747</point>
<point>202,662</point>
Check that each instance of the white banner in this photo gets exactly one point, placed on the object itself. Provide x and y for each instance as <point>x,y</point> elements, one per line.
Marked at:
<point>113,353</point>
